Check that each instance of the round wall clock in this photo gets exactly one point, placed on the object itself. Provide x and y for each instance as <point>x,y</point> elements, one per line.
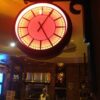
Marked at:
<point>43,30</point>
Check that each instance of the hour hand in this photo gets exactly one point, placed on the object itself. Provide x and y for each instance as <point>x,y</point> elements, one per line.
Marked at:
<point>40,26</point>
<point>45,19</point>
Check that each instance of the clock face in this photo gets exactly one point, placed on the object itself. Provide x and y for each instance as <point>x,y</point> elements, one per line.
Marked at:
<point>41,26</point>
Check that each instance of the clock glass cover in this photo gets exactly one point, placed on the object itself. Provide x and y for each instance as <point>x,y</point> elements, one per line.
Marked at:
<point>41,26</point>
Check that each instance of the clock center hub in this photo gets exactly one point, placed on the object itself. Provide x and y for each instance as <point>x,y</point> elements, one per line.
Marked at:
<point>41,27</point>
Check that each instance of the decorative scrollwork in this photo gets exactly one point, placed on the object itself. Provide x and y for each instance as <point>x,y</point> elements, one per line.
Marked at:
<point>72,4</point>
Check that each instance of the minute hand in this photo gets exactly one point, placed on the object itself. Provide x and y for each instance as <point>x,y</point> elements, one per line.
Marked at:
<point>45,20</point>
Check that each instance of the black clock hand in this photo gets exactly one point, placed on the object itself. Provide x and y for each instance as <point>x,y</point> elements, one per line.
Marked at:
<point>45,33</point>
<point>43,30</point>
<point>45,19</point>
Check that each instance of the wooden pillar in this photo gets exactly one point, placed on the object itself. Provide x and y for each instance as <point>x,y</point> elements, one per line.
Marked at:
<point>72,76</point>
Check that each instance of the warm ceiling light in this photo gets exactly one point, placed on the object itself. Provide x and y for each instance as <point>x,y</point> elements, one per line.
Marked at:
<point>60,64</point>
<point>12,44</point>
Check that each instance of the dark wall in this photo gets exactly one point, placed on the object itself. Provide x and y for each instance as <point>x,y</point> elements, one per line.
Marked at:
<point>95,20</point>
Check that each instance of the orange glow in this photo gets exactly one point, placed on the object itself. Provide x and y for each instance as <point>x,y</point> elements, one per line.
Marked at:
<point>41,26</point>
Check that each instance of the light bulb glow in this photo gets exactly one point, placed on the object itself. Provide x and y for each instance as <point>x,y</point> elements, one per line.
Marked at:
<point>12,44</point>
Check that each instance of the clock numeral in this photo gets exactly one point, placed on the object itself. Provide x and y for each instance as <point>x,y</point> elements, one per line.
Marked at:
<point>25,35</point>
<point>50,42</point>
<point>57,18</point>
<point>60,26</point>
<point>33,13</point>
<point>26,19</point>
<point>57,35</point>
<point>42,10</point>
<point>22,27</point>
<point>30,42</point>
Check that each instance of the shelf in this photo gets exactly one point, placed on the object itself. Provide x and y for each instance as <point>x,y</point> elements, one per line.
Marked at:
<point>26,82</point>
<point>60,88</point>
<point>31,98</point>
